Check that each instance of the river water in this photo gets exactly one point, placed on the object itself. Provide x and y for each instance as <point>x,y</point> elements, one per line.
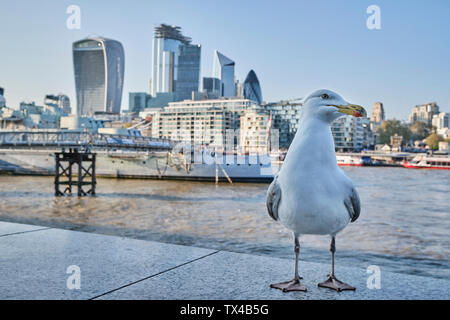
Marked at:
<point>404,225</point>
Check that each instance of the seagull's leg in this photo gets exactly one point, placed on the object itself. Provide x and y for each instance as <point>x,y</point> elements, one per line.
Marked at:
<point>292,285</point>
<point>332,282</point>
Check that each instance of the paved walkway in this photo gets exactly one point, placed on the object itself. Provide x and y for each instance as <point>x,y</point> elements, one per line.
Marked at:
<point>34,261</point>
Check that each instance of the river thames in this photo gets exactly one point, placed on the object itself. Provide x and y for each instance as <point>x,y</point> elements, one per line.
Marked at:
<point>404,224</point>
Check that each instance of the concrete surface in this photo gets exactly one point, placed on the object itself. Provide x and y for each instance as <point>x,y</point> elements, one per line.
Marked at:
<point>13,228</point>
<point>34,261</point>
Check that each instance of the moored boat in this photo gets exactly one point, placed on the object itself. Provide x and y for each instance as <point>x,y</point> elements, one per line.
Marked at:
<point>349,160</point>
<point>426,161</point>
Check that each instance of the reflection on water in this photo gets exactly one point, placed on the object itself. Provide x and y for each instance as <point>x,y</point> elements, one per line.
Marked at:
<point>404,224</point>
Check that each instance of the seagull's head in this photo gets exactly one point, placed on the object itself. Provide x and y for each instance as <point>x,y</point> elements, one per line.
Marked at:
<point>328,106</point>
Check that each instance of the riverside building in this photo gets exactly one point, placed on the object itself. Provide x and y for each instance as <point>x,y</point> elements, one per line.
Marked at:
<point>424,113</point>
<point>348,133</point>
<point>255,131</point>
<point>441,122</point>
<point>199,121</point>
<point>58,103</point>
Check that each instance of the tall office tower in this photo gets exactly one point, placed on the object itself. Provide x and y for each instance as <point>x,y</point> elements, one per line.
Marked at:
<point>211,87</point>
<point>176,64</point>
<point>137,101</point>
<point>251,88</point>
<point>223,69</point>
<point>99,65</point>
<point>188,71</point>
<point>2,98</point>
<point>377,116</point>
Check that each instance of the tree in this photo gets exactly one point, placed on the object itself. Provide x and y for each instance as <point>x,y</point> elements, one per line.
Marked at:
<point>392,127</point>
<point>420,130</point>
<point>433,140</point>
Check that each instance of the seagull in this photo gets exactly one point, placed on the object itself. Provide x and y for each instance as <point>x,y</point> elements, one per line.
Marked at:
<point>311,194</point>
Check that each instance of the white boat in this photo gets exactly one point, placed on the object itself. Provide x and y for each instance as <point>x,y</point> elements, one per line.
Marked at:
<point>426,161</point>
<point>349,160</point>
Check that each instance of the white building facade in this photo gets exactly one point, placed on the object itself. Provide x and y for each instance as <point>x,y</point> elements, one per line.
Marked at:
<point>441,122</point>
<point>348,133</point>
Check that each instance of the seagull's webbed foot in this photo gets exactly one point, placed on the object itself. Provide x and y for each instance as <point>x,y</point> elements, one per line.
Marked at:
<point>335,284</point>
<point>293,285</point>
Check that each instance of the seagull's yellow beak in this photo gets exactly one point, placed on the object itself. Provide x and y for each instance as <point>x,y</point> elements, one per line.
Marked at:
<point>351,109</point>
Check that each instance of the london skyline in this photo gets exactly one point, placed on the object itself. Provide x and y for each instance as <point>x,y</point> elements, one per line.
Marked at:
<point>402,64</point>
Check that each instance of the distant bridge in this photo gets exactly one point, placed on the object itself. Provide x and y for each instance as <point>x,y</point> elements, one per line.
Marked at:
<point>77,139</point>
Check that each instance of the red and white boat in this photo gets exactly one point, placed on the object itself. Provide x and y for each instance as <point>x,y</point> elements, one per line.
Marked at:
<point>349,160</point>
<point>425,161</point>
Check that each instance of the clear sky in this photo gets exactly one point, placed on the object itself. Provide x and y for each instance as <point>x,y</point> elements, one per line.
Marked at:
<point>294,46</point>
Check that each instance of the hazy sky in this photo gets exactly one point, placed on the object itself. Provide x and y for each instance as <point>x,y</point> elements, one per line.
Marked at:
<point>294,47</point>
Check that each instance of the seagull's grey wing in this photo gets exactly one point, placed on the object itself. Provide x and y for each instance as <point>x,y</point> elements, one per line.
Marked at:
<point>353,204</point>
<point>273,199</point>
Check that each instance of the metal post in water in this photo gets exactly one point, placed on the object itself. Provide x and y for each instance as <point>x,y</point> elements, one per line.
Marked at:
<point>84,173</point>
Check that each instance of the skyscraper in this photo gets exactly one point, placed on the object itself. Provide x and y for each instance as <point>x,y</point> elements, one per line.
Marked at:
<point>137,101</point>
<point>175,64</point>
<point>211,87</point>
<point>188,71</point>
<point>251,88</point>
<point>2,98</point>
<point>223,69</point>
<point>99,65</point>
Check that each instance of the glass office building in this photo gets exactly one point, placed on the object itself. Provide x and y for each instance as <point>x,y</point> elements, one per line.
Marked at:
<point>99,65</point>
<point>251,88</point>
<point>211,87</point>
<point>175,64</point>
<point>223,69</point>
<point>137,101</point>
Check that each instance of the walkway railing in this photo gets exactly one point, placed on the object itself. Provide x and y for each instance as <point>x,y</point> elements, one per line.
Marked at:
<point>59,138</point>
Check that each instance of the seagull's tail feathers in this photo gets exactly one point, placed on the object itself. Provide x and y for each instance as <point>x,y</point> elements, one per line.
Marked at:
<point>273,199</point>
<point>353,205</point>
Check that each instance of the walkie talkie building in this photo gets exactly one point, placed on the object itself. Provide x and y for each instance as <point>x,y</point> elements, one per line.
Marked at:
<point>99,65</point>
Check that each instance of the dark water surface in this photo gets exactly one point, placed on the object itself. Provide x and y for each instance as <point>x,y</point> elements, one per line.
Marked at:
<point>404,225</point>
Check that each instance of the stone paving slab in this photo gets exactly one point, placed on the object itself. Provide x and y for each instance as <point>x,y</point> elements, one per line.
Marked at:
<point>7,228</point>
<point>227,275</point>
<point>33,265</point>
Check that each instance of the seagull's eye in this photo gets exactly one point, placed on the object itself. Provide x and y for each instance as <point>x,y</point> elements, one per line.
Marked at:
<point>325,96</point>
